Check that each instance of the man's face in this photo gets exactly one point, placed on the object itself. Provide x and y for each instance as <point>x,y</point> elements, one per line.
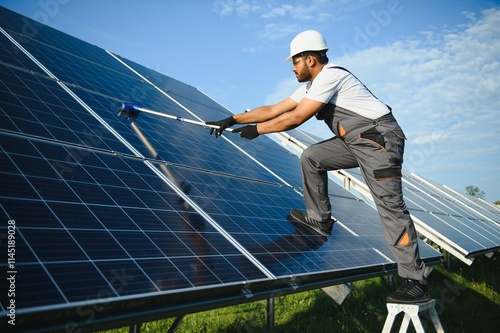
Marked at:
<point>301,69</point>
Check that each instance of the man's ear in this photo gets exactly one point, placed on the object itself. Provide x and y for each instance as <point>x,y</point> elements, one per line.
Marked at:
<point>311,61</point>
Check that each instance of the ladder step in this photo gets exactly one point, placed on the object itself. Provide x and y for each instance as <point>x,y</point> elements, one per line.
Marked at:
<point>411,312</point>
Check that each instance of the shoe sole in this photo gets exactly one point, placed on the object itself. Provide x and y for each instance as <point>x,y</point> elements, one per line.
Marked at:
<point>298,216</point>
<point>422,299</point>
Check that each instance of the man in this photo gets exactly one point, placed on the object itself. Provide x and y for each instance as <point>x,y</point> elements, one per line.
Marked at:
<point>366,136</point>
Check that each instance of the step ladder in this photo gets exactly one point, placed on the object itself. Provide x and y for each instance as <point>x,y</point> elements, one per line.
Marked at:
<point>411,312</point>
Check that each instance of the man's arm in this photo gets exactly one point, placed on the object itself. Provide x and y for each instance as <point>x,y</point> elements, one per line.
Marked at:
<point>288,120</point>
<point>265,113</point>
<point>257,115</point>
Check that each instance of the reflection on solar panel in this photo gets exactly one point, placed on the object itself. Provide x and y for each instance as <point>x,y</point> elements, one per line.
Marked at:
<point>119,221</point>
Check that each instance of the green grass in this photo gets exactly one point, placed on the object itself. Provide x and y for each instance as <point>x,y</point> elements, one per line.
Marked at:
<point>467,301</point>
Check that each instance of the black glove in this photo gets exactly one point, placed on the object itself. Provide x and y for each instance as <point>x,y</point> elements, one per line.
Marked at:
<point>223,124</point>
<point>248,132</point>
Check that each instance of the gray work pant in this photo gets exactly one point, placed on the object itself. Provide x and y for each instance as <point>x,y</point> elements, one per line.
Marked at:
<point>377,149</point>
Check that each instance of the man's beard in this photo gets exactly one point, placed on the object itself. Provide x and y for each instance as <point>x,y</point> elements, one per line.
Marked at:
<point>304,75</point>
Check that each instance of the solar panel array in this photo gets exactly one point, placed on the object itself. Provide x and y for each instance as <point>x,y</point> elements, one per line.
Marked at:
<point>465,204</point>
<point>471,232</point>
<point>123,220</point>
<point>449,221</point>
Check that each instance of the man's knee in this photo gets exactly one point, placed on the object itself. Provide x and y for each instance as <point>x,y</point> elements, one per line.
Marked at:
<point>393,201</point>
<point>307,156</point>
<point>312,159</point>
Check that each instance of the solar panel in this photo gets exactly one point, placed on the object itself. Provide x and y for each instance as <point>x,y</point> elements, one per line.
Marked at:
<point>471,232</point>
<point>466,205</point>
<point>129,220</point>
<point>136,219</point>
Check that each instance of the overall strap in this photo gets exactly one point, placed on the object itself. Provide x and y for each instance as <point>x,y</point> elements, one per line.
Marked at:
<point>342,68</point>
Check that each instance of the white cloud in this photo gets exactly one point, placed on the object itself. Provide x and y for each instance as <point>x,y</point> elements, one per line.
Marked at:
<point>275,22</point>
<point>278,11</point>
<point>276,31</point>
<point>239,7</point>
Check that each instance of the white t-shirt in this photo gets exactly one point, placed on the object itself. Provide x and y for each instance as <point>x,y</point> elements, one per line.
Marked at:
<point>341,88</point>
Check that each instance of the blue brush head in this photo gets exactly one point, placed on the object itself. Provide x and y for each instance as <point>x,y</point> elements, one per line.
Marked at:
<point>129,110</point>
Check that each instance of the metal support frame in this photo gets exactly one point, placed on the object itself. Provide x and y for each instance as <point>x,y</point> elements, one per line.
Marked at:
<point>448,260</point>
<point>135,328</point>
<point>390,279</point>
<point>175,324</point>
<point>347,183</point>
<point>411,312</point>
<point>270,313</point>
<point>338,293</point>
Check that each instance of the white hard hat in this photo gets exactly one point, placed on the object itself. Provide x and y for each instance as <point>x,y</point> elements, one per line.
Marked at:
<point>309,40</point>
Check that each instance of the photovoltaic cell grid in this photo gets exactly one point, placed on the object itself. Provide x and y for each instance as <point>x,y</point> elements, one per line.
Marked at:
<point>114,120</point>
<point>277,158</point>
<point>466,205</point>
<point>455,221</point>
<point>250,212</point>
<point>110,211</point>
<point>97,197</point>
<point>38,106</point>
<point>185,145</point>
<point>48,36</point>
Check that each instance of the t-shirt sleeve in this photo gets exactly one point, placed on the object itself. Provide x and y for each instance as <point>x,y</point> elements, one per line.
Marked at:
<point>324,87</point>
<point>299,94</point>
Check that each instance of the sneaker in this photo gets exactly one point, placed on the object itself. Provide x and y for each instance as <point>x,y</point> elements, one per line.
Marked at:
<point>411,291</point>
<point>322,227</point>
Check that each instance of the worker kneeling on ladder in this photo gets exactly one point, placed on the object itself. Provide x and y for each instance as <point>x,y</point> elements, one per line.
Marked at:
<point>366,136</point>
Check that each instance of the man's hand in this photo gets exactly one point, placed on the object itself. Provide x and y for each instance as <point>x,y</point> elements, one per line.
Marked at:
<point>248,132</point>
<point>223,124</point>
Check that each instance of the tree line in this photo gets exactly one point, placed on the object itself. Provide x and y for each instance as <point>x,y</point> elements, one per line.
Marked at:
<point>476,192</point>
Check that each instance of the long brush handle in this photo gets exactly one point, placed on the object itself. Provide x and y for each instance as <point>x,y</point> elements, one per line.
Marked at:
<point>194,122</point>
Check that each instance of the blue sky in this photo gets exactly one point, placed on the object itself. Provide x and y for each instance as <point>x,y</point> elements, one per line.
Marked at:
<point>437,63</point>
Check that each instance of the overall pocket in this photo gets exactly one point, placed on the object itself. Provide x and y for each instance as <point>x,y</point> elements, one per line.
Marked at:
<point>390,143</point>
<point>394,147</point>
<point>372,134</point>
